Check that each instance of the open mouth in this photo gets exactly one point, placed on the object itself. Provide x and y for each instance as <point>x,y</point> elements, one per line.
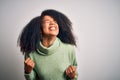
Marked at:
<point>52,28</point>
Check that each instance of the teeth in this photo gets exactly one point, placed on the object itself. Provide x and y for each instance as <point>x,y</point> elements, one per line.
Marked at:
<point>52,28</point>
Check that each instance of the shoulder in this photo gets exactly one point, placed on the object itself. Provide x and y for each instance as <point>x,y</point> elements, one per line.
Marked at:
<point>67,46</point>
<point>30,55</point>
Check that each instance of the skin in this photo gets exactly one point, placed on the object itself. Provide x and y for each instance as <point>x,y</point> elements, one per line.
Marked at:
<point>50,30</point>
<point>29,65</point>
<point>71,72</point>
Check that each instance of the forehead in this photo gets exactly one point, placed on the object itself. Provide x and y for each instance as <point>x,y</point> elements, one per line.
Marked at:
<point>47,17</point>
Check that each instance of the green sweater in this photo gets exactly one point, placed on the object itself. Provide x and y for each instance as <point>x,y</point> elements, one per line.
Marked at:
<point>51,63</point>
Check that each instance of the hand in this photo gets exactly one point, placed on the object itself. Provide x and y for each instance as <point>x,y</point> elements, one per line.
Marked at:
<point>29,65</point>
<point>71,72</point>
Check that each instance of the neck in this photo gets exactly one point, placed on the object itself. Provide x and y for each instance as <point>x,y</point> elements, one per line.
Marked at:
<point>48,41</point>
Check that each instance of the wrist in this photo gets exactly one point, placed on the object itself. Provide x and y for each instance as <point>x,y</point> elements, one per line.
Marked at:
<point>26,72</point>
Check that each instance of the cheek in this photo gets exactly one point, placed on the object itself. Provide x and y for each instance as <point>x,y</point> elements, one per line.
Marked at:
<point>44,27</point>
<point>58,28</point>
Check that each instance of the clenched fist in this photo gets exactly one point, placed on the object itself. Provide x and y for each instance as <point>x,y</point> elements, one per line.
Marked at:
<point>29,65</point>
<point>71,72</point>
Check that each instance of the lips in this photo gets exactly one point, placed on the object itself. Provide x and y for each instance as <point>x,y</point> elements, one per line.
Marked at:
<point>52,28</point>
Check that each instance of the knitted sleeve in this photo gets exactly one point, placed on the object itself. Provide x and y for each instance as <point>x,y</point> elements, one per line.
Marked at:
<point>32,75</point>
<point>74,61</point>
<point>73,56</point>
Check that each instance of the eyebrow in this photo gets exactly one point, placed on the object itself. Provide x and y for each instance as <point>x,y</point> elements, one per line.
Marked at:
<point>47,20</point>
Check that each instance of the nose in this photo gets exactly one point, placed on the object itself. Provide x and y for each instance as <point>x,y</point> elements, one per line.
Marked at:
<point>52,22</point>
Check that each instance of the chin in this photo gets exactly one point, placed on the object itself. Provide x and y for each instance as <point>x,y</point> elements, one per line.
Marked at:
<point>53,35</point>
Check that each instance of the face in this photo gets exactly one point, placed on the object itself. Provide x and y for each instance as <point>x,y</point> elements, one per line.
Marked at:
<point>49,26</point>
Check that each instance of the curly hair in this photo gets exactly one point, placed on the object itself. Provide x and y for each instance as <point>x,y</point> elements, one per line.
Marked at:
<point>31,34</point>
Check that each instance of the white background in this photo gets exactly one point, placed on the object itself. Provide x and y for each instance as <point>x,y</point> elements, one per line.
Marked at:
<point>96,25</point>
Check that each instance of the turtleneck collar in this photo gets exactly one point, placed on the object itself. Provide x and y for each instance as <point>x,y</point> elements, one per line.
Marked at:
<point>50,50</point>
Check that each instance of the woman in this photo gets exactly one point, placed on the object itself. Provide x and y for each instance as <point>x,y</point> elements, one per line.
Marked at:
<point>48,44</point>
